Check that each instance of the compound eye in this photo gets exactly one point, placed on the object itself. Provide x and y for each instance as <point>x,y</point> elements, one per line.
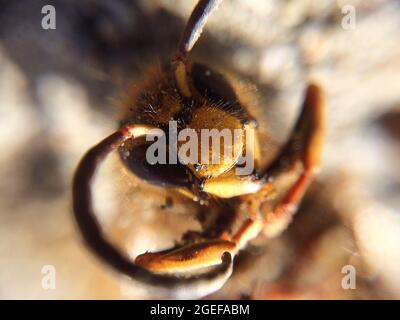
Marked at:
<point>211,84</point>
<point>218,90</point>
<point>223,113</point>
<point>166,175</point>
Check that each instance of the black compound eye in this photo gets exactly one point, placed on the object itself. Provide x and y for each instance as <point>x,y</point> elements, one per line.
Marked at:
<point>165,175</point>
<point>211,84</point>
<point>214,87</point>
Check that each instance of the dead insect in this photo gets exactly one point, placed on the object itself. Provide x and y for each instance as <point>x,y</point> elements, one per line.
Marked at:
<point>197,97</point>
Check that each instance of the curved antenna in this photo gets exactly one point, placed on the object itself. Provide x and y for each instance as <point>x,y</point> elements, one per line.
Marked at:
<point>191,34</point>
<point>194,26</point>
<point>191,287</point>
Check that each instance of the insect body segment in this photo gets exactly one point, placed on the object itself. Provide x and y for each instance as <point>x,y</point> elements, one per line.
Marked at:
<point>195,97</point>
<point>213,113</point>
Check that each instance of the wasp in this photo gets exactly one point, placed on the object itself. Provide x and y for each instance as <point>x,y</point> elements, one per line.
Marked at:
<point>196,97</point>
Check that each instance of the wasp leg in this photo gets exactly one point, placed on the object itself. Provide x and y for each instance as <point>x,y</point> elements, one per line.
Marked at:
<point>200,255</point>
<point>249,230</point>
<point>187,258</point>
<point>190,287</point>
<point>304,147</point>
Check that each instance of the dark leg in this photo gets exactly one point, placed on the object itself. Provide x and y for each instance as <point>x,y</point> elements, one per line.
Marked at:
<point>304,148</point>
<point>91,230</point>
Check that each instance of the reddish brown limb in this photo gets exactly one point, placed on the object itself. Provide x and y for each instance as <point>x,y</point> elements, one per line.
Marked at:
<point>249,230</point>
<point>91,231</point>
<point>305,147</point>
<point>200,255</point>
<point>187,258</point>
<point>306,140</point>
<point>278,219</point>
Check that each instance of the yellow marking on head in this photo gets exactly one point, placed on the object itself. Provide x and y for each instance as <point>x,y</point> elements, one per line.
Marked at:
<point>210,117</point>
<point>230,185</point>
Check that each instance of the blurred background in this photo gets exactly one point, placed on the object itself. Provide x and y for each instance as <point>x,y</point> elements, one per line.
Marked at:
<point>60,93</point>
